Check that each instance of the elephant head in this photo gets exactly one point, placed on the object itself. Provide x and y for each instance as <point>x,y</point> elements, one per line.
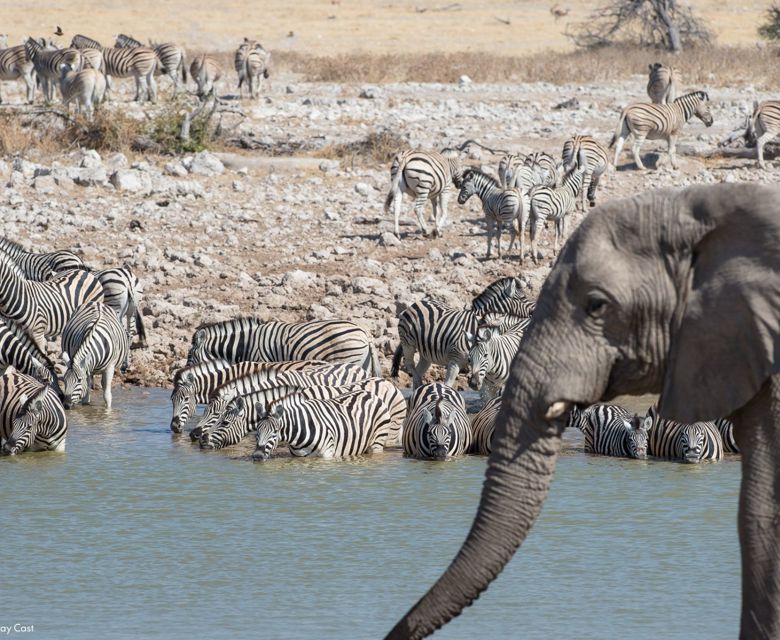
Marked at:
<point>672,291</point>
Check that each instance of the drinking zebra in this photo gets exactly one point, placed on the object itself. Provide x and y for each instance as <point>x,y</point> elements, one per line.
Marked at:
<point>122,292</point>
<point>663,82</point>
<point>205,70</point>
<point>596,164</point>
<point>659,122</point>
<point>763,126</point>
<point>86,87</point>
<point>423,175</point>
<point>438,334</point>
<point>251,61</point>
<point>726,429</point>
<point>17,350</point>
<point>436,424</point>
<point>676,441</point>
<point>555,203</point>
<point>43,308</point>
<point>15,64</point>
<point>491,355</point>
<point>500,206</point>
<point>31,415</point>
<point>94,342</point>
<point>170,56</point>
<point>483,426</point>
<point>39,266</point>
<point>48,64</point>
<point>349,425</point>
<point>610,431</point>
<point>275,341</point>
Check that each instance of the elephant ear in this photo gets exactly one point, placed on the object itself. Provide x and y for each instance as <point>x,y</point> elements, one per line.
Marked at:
<point>727,340</point>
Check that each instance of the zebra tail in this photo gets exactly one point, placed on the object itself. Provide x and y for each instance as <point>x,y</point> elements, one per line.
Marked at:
<point>750,129</point>
<point>375,362</point>
<point>619,129</point>
<point>395,183</point>
<point>396,366</point>
<point>183,70</point>
<point>141,330</point>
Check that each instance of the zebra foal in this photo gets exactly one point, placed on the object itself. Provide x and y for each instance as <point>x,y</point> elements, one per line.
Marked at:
<point>610,431</point>
<point>763,126</point>
<point>663,82</point>
<point>436,426</point>
<point>86,87</point>
<point>491,357</point>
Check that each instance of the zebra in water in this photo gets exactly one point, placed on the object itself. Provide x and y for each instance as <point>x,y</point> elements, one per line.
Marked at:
<point>349,425</point>
<point>39,266</point>
<point>491,355</point>
<point>483,426</point>
<point>94,342</point>
<point>122,292</point>
<point>43,308</point>
<point>436,424</point>
<point>205,70</point>
<point>275,341</point>
<point>15,64</point>
<point>659,122</point>
<point>17,350</point>
<point>544,166</point>
<point>86,87</point>
<point>500,206</point>
<point>676,441</point>
<point>508,165</point>
<point>596,164</point>
<point>48,64</point>
<point>610,431</point>
<point>423,175</point>
<point>251,61</point>
<point>663,82</point>
<point>763,126</point>
<point>726,429</point>
<point>31,415</point>
<point>555,203</point>
<point>439,334</point>
<point>170,56</point>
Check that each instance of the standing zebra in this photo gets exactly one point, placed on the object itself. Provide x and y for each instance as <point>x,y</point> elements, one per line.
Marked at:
<point>275,341</point>
<point>170,55</point>
<point>659,122</point>
<point>15,64</point>
<point>596,164</point>
<point>348,425</point>
<point>662,83</point>
<point>87,87</point>
<point>436,425</point>
<point>686,442</point>
<point>500,206</point>
<point>555,203</point>
<point>423,175</point>
<point>39,266</point>
<point>545,167</point>
<point>763,126</point>
<point>31,415</point>
<point>43,308</point>
<point>205,70</point>
<point>94,342</point>
<point>48,64</point>
<point>508,166</point>
<point>122,292</point>
<point>610,431</point>
<point>251,61</point>
<point>491,357</point>
<point>483,426</point>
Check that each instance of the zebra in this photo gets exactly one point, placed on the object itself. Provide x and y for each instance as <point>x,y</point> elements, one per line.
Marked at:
<point>491,356</point>
<point>170,55</point>
<point>726,429</point>
<point>596,164</point>
<point>439,334</point>
<point>555,203</point>
<point>17,350</point>
<point>423,175</point>
<point>436,424</point>
<point>83,42</point>
<point>122,292</point>
<point>544,166</point>
<point>610,431</point>
<point>348,425</point>
<point>48,64</point>
<point>92,53</point>
<point>500,206</point>
<point>87,87</point>
<point>94,342</point>
<point>15,64</point>
<point>483,426</point>
<point>31,415</point>
<point>659,121</point>
<point>508,166</point>
<point>39,266</point>
<point>763,126</point>
<point>662,83</point>
<point>276,341</point>
<point>205,70</point>
<point>251,61</point>
<point>43,308</point>
<point>686,442</point>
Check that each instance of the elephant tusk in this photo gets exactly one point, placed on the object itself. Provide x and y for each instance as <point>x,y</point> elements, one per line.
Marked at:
<point>557,409</point>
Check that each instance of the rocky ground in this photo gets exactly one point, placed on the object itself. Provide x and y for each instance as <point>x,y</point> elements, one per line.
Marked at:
<point>215,235</point>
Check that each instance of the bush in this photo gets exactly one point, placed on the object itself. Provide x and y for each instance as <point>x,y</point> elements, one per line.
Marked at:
<point>770,30</point>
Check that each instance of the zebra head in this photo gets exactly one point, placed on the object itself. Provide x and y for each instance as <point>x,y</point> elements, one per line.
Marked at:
<point>197,352</point>
<point>468,186</point>
<point>183,400</point>
<point>211,417</point>
<point>231,427</point>
<point>24,425</point>
<point>75,384</point>
<point>269,430</point>
<point>702,111</point>
<point>438,431</point>
<point>480,355</point>
<point>636,436</point>
<point>693,443</point>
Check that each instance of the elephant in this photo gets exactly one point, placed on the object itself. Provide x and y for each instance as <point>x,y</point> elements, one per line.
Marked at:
<point>677,292</point>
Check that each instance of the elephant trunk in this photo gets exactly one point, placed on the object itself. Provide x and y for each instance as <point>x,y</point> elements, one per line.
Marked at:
<point>518,477</point>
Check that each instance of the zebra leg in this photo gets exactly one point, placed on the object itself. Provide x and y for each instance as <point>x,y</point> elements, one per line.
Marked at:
<point>672,151</point>
<point>397,212</point>
<point>435,211</point>
<point>451,374</point>
<point>512,235</point>
<point>152,87</point>
<point>535,226</point>
<point>419,211</point>
<point>636,144</point>
<point>490,228</point>
<point>138,83</point>
<point>591,195</point>
<point>108,376</point>
<point>760,142</point>
<point>618,148</point>
<point>30,82</point>
<point>585,190</point>
<point>444,199</point>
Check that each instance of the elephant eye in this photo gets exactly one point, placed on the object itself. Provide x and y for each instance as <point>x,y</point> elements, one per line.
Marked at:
<point>596,307</point>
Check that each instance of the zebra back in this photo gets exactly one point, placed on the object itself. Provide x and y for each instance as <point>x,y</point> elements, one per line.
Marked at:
<point>726,429</point>
<point>544,165</point>
<point>94,339</point>
<point>39,266</point>
<point>123,41</point>
<point>483,426</point>
<point>595,156</point>
<point>508,166</point>
<point>436,425</point>
<point>504,295</point>
<point>663,82</point>
<point>83,42</point>
<point>14,63</point>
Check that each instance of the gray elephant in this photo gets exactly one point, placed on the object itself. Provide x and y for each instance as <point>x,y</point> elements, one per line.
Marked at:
<point>673,291</point>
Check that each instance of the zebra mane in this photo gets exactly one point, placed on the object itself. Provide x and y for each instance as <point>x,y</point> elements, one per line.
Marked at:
<point>15,268</point>
<point>236,320</point>
<point>23,337</point>
<point>701,95</point>
<point>482,301</point>
<point>11,244</point>
<point>208,365</point>
<point>478,172</point>
<point>88,334</point>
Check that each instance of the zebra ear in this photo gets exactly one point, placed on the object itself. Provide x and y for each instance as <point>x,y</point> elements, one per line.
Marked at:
<point>471,338</point>
<point>188,378</point>
<point>427,416</point>
<point>261,409</point>
<point>648,422</point>
<point>277,410</point>
<point>240,403</point>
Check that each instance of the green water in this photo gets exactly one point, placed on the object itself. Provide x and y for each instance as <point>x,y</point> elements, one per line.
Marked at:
<point>134,533</point>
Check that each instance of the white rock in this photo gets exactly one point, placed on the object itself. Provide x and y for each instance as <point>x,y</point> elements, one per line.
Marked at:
<point>329,165</point>
<point>298,278</point>
<point>44,184</point>
<point>464,80</point>
<point>176,169</point>
<point>90,159</point>
<point>206,164</point>
<point>363,189</point>
<point>131,180</point>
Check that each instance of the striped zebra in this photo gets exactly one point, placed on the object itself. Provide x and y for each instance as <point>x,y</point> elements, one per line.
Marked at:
<point>93,341</point>
<point>508,165</point>
<point>686,442</point>
<point>763,126</point>
<point>544,166</point>
<point>423,175</point>
<point>555,203</point>
<point>43,308</point>
<point>170,55</point>
<point>726,429</point>
<point>122,292</point>
<point>15,64</point>
<point>438,334</point>
<point>436,424</point>
<point>39,266</point>
<point>31,415</point>
<point>48,64</point>
<point>276,341</point>
<point>349,425</point>
<point>663,82</point>
<point>491,357</point>
<point>609,430</point>
<point>659,122</point>
<point>205,70</point>
<point>251,61</point>
<point>86,87</point>
<point>17,350</point>
<point>483,426</point>
<point>596,164</point>
<point>500,206</point>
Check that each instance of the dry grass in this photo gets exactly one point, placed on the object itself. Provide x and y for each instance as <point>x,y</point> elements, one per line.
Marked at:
<point>377,146</point>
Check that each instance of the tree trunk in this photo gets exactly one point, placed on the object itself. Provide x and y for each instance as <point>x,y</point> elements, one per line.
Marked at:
<point>662,8</point>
